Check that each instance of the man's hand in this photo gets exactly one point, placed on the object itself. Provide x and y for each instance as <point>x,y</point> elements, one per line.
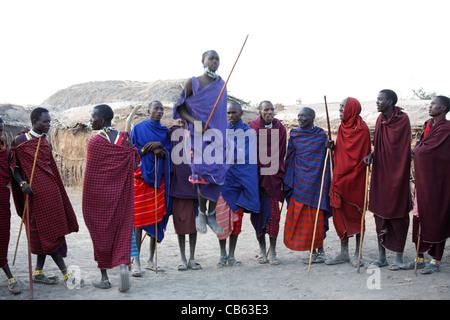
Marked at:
<point>152,146</point>
<point>368,159</point>
<point>26,188</point>
<point>329,144</point>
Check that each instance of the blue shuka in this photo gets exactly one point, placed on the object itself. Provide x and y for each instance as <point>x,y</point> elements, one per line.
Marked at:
<point>241,181</point>
<point>304,167</point>
<point>142,133</point>
<point>200,105</point>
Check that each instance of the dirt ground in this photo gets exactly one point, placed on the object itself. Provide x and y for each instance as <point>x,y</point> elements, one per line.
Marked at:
<point>251,281</point>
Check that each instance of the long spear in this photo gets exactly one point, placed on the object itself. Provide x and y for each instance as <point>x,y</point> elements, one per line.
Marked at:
<point>224,86</point>
<point>318,209</point>
<point>363,218</point>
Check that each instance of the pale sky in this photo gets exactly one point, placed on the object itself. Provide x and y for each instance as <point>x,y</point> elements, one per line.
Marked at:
<point>295,50</point>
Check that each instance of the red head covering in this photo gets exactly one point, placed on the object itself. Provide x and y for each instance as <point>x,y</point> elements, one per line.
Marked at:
<point>351,118</point>
<point>352,145</point>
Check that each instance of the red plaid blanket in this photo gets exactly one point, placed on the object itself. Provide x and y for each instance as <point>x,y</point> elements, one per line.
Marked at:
<point>108,195</point>
<point>51,213</point>
<point>5,213</point>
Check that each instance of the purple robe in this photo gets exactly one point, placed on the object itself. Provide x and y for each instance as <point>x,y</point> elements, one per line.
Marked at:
<point>200,105</point>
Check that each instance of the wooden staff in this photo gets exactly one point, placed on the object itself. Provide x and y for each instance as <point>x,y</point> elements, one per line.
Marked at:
<point>318,209</point>
<point>30,267</point>
<point>413,180</point>
<point>417,251</point>
<point>363,218</point>
<point>156,220</point>
<point>329,133</point>
<point>224,86</point>
<point>25,211</point>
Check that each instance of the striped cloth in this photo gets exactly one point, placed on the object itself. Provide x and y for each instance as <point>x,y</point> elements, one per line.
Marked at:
<point>108,195</point>
<point>144,206</point>
<point>229,221</point>
<point>299,227</point>
<point>144,202</point>
<point>51,214</point>
<point>5,212</point>
<point>134,248</point>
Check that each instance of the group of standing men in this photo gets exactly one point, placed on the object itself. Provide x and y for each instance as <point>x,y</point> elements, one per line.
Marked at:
<point>154,171</point>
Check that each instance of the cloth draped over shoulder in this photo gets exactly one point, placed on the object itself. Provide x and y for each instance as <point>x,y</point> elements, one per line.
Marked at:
<point>241,181</point>
<point>349,174</point>
<point>142,133</point>
<point>432,174</point>
<point>51,214</point>
<point>304,167</point>
<point>352,145</point>
<point>271,183</point>
<point>389,195</point>
<point>5,212</point>
<point>108,199</point>
<point>200,105</point>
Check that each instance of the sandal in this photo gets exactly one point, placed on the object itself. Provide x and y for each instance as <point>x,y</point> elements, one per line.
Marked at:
<point>320,257</point>
<point>102,284</point>
<point>337,260</point>
<point>262,260</point>
<point>394,266</point>
<point>431,268</point>
<point>41,278</point>
<point>182,266</point>
<point>411,265</point>
<point>194,265</point>
<point>222,261</point>
<point>233,262</point>
<point>377,263</point>
<point>152,266</point>
<point>13,286</point>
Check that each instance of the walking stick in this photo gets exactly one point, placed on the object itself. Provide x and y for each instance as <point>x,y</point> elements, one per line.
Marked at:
<point>30,268</point>
<point>26,200</point>
<point>156,221</point>
<point>224,86</point>
<point>318,209</point>
<point>417,251</point>
<point>363,218</point>
<point>329,133</point>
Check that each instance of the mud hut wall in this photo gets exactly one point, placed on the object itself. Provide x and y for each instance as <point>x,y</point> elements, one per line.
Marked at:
<point>69,150</point>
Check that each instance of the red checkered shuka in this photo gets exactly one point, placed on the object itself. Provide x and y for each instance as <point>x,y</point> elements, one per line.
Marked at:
<point>108,196</point>
<point>51,214</point>
<point>299,227</point>
<point>5,212</point>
